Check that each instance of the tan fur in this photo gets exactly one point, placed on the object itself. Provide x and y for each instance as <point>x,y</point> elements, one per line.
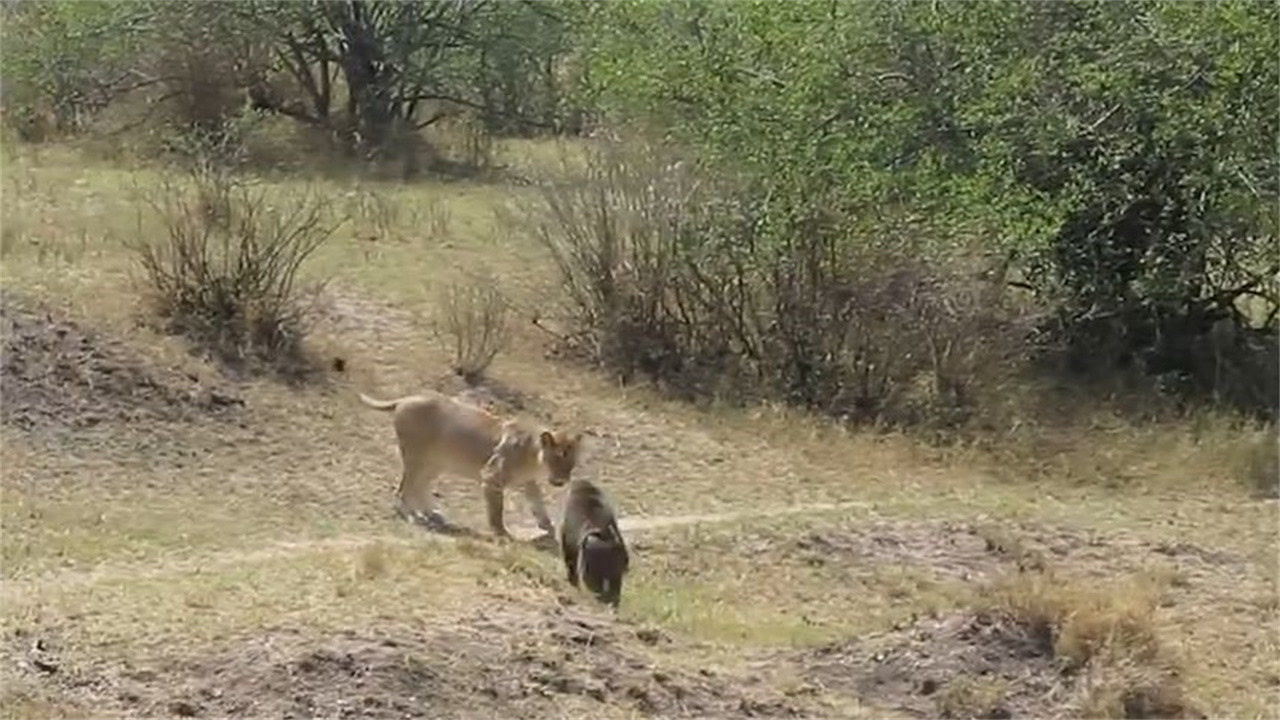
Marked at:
<point>438,435</point>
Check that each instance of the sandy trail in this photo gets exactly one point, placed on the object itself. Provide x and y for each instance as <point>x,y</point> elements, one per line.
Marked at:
<point>16,591</point>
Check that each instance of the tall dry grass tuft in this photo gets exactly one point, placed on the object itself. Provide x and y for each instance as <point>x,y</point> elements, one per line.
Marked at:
<point>224,272</point>
<point>1106,636</point>
<point>1259,462</point>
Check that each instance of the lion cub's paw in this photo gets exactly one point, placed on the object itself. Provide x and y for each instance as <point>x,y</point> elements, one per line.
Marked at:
<point>434,519</point>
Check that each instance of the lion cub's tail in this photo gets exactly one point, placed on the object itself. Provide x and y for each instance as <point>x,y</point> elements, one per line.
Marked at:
<point>379,404</point>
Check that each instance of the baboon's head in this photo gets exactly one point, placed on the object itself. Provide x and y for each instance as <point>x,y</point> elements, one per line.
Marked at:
<point>558,453</point>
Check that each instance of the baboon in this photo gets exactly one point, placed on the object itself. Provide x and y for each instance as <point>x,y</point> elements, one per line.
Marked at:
<point>591,543</point>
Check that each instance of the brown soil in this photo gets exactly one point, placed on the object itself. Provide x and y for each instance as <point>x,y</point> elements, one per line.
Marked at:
<point>971,665</point>
<point>492,395</point>
<point>928,669</point>
<point>950,549</point>
<point>56,374</point>
<point>946,550</point>
<point>348,311</point>
<point>557,662</point>
<point>534,664</point>
<point>971,552</point>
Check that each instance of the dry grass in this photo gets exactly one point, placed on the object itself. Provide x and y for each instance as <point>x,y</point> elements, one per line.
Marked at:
<point>1258,462</point>
<point>162,540</point>
<point>1079,622</point>
<point>970,697</point>
<point>1123,688</point>
<point>1108,633</point>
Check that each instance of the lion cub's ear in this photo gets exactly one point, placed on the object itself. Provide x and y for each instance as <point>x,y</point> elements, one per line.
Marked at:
<point>547,439</point>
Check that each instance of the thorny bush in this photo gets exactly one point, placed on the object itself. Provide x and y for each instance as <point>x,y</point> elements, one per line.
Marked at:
<point>472,320</point>
<point>700,287</point>
<point>224,272</point>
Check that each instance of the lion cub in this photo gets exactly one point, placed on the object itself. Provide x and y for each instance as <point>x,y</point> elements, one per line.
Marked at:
<point>591,543</point>
<point>438,434</point>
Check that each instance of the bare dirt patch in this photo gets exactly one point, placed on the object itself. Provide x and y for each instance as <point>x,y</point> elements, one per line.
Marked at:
<point>974,550</point>
<point>492,395</point>
<point>1002,669</point>
<point>349,311</point>
<point>555,663</point>
<point>57,374</point>
<point>857,545</point>
<point>969,665</point>
<point>952,550</point>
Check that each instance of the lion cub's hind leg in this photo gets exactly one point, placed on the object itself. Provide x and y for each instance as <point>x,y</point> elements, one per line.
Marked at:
<point>427,512</point>
<point>415,498</point>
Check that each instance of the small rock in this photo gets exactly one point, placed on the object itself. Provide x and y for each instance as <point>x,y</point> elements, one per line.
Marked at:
<point>184,708</point>
<point>649,636</point>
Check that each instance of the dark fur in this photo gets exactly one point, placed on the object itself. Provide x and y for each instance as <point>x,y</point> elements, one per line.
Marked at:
<point>591,543</point>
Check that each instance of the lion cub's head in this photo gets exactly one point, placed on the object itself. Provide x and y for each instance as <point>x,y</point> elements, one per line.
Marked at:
<point>558,453</point>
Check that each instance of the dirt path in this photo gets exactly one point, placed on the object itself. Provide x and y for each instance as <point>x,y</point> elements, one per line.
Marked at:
<point>15,591</point>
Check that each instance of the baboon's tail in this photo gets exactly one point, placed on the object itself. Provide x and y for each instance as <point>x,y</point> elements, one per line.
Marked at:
<point>379,404</point>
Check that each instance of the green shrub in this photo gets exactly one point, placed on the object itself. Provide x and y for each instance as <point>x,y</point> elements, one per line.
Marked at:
<point>1123,156</point>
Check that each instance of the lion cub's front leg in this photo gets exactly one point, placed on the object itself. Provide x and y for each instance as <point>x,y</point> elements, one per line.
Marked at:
<point>533,495</point>
<point>494,478</point>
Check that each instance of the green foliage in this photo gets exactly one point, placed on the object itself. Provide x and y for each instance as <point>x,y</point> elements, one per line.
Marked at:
<point>960,105</point>
<point>518,77</point>
<point>67,58</point>
<point>682,278</point>
<point>390,59</point>
<point>369,72</point>
<point>1123,153</point>
<point>1119,159</point>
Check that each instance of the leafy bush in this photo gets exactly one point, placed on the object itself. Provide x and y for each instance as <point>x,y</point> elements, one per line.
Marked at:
<point>685,281</point>
<point>75,58</point>
<point>1122,155</point>
<point>473,321</point>
<point>225,272</point>
<point>62,62</point>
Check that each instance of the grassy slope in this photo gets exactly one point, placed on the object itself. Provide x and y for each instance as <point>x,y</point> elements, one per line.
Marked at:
<point>212,531</point>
